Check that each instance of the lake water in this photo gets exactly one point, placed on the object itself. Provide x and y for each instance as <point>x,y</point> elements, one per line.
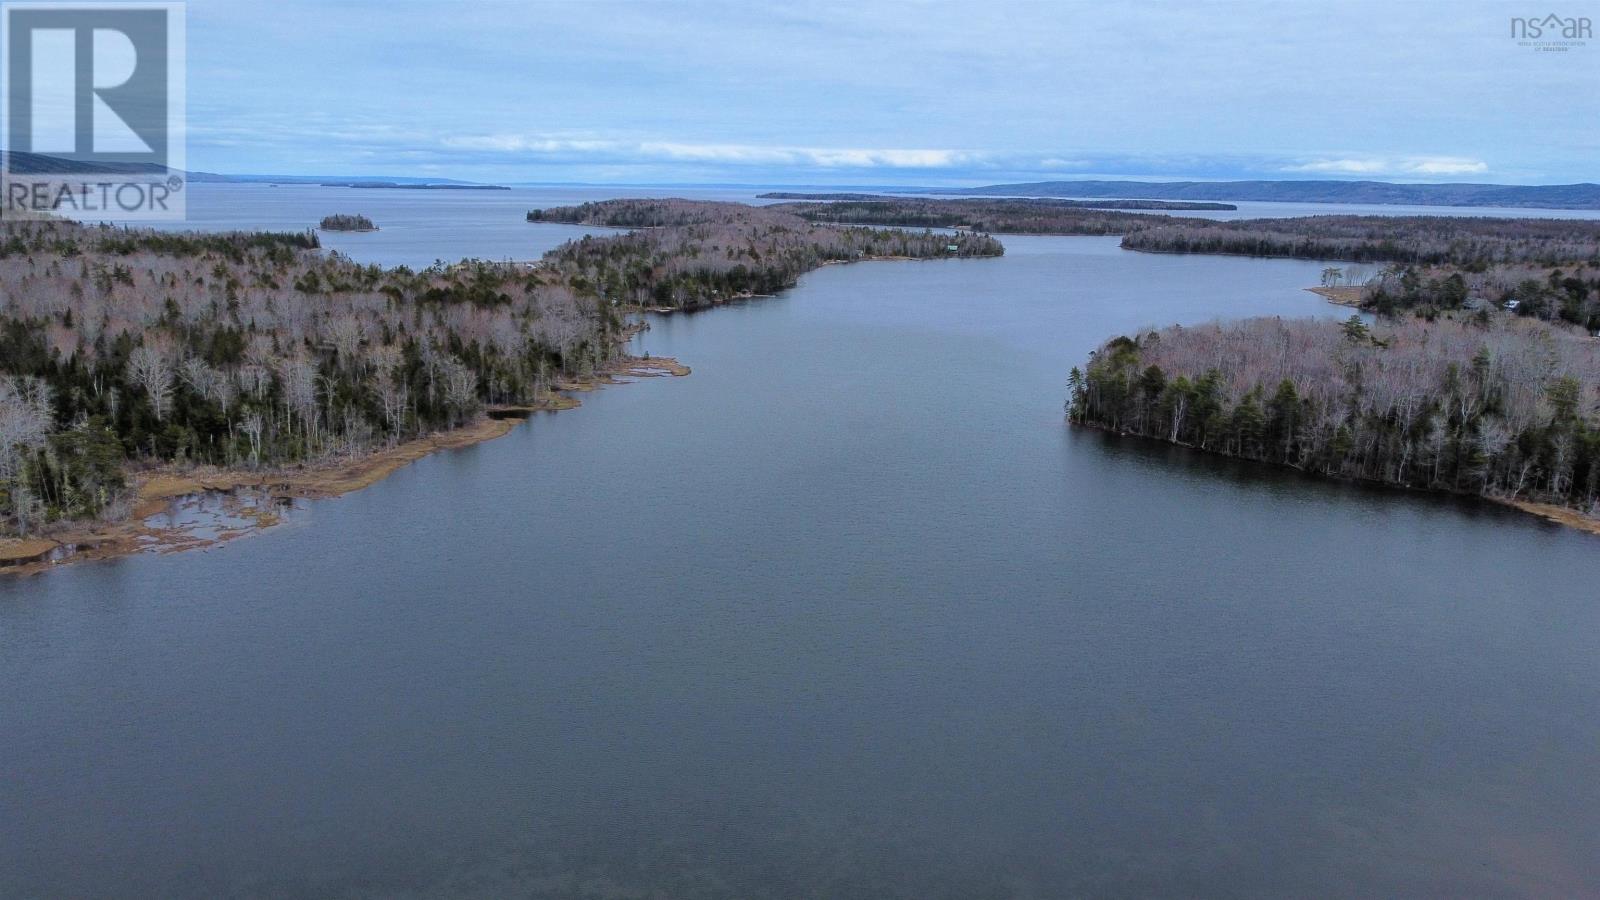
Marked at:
<point>848,612</point>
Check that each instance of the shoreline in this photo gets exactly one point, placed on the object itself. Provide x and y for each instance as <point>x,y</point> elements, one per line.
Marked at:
<point>157,490</point>
<point>251,496</point>
<point>715,302</point>
<point>1550,512</point>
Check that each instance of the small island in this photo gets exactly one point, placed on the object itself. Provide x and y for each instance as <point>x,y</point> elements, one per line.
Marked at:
<point>345,222</point>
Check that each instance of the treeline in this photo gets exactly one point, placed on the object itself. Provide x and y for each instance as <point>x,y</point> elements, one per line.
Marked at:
<point>1471,244</point>
<point>994,216</point>
<point>690,254</point>
<point>1560,294</point>
<point>347,222</point>
<point>234,246</point>
<point>1507,409</point>
<point>251,350</point>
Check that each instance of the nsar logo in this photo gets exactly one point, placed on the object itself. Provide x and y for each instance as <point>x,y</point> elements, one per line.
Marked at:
<point>1552,32</point>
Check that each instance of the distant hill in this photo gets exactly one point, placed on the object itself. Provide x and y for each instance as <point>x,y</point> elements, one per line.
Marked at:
<point>34,164</point>
<point>448,185</point>
<point>377,181</point>
<point>1552,196</point>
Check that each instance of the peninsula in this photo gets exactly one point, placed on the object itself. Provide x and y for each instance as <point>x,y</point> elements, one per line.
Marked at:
<point>1503,408</point>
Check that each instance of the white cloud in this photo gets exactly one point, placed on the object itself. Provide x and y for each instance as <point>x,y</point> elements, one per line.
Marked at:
<point>1409,165</point>
<point>1449,165</point>
<point>731,154</point>
<point>511,143</point>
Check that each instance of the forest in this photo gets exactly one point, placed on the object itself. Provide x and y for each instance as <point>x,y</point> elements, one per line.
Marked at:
<point>993,216</point>
<point>1556,294</point>
<point>250,349</point>
<point>1503,407</point>
<point>1547,269</point>
<point>690,254</point>
<point>1472,243</point>
<point>125,348</point>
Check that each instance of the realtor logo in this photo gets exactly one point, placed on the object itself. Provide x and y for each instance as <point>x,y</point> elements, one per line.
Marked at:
<point>1552,33</point>
<point>93,99</point>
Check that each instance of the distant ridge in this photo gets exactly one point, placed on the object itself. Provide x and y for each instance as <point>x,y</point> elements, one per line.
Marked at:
<point>1075,204</point>
<point>34,164</point>
<point>1552,196</point>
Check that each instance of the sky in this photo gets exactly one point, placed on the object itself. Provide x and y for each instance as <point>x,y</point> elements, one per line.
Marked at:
<point>889,93</point>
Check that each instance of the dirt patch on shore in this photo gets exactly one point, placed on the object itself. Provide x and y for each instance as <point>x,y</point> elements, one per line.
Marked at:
<point>1343,296</point>
<point>20,551</point>
<point>1561,515</point>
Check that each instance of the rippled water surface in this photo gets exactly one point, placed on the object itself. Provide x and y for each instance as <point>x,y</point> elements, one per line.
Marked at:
<point>848,612</point>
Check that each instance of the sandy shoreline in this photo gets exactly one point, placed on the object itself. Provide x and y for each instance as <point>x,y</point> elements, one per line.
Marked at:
<point>250,498</point>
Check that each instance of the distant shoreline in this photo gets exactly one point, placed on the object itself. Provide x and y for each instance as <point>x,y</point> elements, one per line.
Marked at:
<point>1580,196</point>
<point>390,185</point>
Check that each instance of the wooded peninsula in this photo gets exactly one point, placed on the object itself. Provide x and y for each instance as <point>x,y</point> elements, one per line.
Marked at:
<point>993,216</point>
<point>1480,377</point>
<point>688,254</point>
<point>1504,409</point>
<point>125,351</point>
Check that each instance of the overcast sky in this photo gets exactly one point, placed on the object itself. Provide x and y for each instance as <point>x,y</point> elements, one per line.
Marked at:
<point>871,92</point>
